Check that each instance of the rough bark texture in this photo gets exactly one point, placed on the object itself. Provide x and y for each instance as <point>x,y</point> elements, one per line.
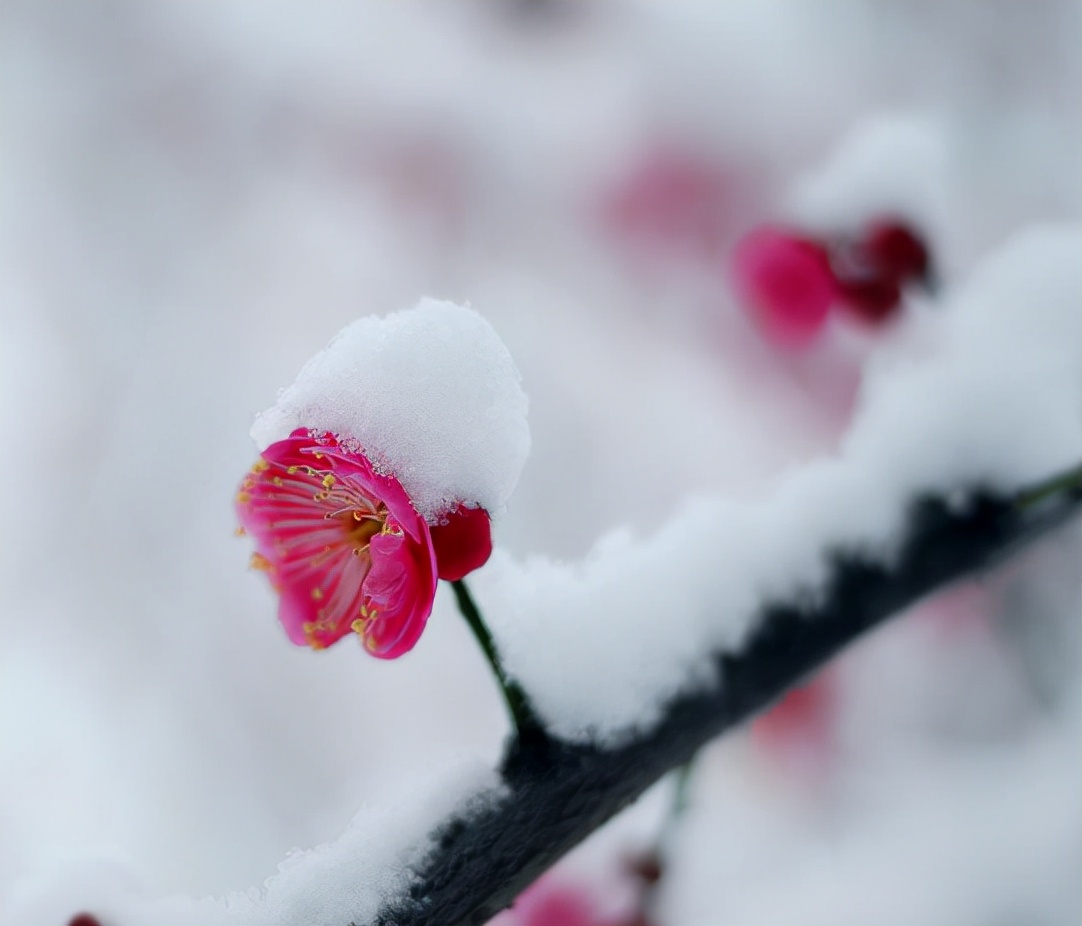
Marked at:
<point>559,793</point>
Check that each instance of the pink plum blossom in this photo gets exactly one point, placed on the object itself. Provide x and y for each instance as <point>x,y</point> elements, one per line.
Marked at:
<point>341,544</point>
<point>785,282</point>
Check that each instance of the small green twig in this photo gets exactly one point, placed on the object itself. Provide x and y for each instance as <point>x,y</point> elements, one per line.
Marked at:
<point>680,799</point>
<point>522,713</point>
<point>1069,482</point>
<point>680,795</point>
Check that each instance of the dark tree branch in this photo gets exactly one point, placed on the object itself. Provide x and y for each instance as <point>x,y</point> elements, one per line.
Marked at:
<point>559,793</point>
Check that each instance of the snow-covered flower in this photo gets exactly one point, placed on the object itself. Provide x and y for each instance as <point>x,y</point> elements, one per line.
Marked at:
<point>341,543</point>
<point>381,467</point>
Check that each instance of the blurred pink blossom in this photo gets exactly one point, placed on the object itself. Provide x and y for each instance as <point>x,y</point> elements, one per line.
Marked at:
<point>896,249</point>
<point>785,282</point>
<point>871,268</point>
<point>674,202</point>
<point>552,901</point>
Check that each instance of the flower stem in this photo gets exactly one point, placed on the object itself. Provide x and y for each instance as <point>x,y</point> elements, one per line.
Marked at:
<point>651,866</point>
<point>518,705</point>
<point>1069,482</point>
<point>679,805</point>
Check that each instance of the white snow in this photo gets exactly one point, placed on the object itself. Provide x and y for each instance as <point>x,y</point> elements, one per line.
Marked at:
<point>989,828</point>
<point>433,396</point>
<point>981,390</point>
<point>343,881</point>
<point>893,165</point>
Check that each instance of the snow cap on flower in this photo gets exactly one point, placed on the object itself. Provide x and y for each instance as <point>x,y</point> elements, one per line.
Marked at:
<point>432,396</point>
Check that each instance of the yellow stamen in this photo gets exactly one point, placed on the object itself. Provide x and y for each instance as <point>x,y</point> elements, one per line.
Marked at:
<point>260,562</point>
<point>310,628</point>
<point>317,594</point>
<point>328,481</point>
<point>360,528</point>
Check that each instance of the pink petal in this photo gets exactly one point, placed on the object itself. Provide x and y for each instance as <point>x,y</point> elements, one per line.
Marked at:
<point>463,543</point>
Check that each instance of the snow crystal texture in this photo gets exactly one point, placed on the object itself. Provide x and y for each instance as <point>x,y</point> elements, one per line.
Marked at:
<point>432,395</point>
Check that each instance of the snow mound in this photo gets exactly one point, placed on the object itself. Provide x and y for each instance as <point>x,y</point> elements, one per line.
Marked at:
<point>889,165</point>
<point>432,395</point>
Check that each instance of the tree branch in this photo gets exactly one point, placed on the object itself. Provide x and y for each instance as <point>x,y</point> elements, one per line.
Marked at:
<point>557,793</point>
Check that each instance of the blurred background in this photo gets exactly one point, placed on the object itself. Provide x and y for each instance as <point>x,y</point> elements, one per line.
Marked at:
<point>195,197</point>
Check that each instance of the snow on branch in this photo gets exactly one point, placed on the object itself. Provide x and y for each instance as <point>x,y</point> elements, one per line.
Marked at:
<point>554,793</point>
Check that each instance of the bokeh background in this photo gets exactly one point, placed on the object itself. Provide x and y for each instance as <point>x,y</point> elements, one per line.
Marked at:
<point>196,197</point>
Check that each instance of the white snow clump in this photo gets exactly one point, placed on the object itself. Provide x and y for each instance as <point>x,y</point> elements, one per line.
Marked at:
<point>890,165</point>
<point>343,881</point>
<point>431,394</point>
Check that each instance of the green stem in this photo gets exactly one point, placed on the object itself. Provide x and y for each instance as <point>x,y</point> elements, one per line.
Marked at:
<point>683,785</point>
<point>651,866</point>
<point>680,799</point>
<point>518,705</point>
<point>1069,482</point>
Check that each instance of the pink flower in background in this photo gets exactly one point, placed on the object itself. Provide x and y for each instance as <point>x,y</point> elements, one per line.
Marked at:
<point>463,542</point>
<point>554,901</point>
<point>551,902</point>
<point>896,249</point>
<point>785,282</point>
<point>340,543</point>
<point>788,282</point>
<point>871,299</point>
<point>798,730</point>
<point>673,201</point>
<point>872,268</point>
